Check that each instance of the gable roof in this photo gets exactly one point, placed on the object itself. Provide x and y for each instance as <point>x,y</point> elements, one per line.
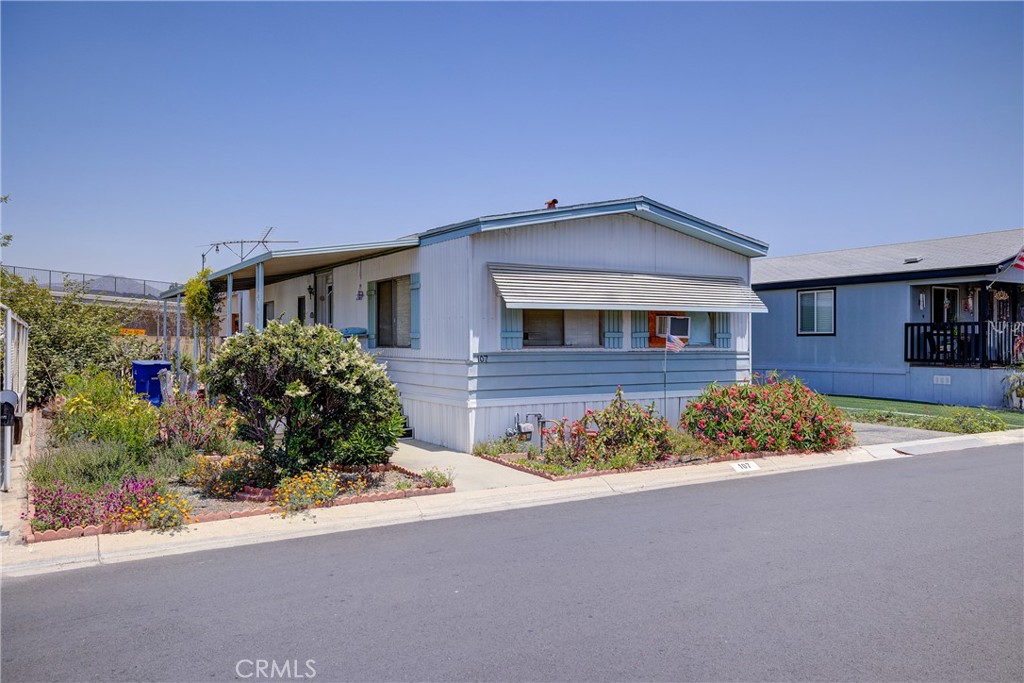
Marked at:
<point>979,254</point>
<point>642,207</point>
<point>289,263</point>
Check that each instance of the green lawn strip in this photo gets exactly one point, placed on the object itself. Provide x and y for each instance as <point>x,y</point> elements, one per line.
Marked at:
<point>853,405</point>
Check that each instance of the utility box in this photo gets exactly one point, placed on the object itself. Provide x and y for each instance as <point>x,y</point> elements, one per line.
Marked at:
<point>146,375</point>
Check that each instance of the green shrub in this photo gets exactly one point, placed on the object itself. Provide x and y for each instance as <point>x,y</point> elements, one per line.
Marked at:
<point>97,406</point>
<point>82,465</point>
<point>223,477</point>
<point>193,422</point>
<point>69,334</point>
<point>310,489</point>
<point>439,478</point>
<point>622,432</point>
<point>504,446</point>
<point>334,401</point>
<point>689,448</point>
<point>769,415</point>
<point>960,421</point>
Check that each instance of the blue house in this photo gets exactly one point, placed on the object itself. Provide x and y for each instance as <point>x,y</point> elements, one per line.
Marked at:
<point>935,321</point>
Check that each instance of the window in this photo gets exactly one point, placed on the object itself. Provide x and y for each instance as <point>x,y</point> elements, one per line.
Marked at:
<point>394,313</point>
<point>816,311</point>
<point>268,312</point>
<point>546,327</point>
<point>301,307</point>
<point>702,327</point>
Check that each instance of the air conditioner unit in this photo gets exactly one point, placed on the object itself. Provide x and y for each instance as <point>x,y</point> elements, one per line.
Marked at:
<point>677,325</point>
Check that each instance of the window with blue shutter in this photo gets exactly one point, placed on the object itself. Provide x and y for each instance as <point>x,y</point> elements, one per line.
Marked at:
<point>511,328</point>
<point>640,331</point>
<point>612,329</point>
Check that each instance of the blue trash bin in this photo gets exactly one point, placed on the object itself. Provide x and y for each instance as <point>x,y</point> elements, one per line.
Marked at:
<point>146,374</point>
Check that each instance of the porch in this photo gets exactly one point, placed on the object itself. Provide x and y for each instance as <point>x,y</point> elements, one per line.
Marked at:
<point>964,344</point>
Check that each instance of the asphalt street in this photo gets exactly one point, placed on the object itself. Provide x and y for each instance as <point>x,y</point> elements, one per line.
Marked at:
<point>896,570</point>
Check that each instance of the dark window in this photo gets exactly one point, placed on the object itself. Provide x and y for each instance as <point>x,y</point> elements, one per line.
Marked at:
<point>301,307</point>
<point>546,327</point>
<point>268,312</point>
<point>394,313</point>
<point>816,311</point>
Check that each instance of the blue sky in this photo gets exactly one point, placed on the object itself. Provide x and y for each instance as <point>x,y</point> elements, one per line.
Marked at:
<point>134,132</point>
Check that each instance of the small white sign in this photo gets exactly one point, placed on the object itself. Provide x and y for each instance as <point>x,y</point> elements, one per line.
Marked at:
<point>745,466</point>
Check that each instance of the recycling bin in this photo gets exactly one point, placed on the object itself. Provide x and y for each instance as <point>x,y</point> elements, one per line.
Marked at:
<point>146,373</point>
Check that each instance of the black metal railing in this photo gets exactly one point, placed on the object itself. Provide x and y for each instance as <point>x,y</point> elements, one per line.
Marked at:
<point>963,343</point>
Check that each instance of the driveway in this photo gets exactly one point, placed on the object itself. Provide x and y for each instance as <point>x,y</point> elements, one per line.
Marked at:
<point>874,434</point>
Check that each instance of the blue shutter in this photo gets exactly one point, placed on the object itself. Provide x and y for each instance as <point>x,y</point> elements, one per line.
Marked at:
<point>414,313</point>
<point>612,329</point>
<point>640,336</point>
<point>723,338</point>
<point>511,328</point>
<point>371,315</point>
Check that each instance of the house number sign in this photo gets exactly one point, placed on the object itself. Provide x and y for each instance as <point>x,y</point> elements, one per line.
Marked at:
<point>745,466</point>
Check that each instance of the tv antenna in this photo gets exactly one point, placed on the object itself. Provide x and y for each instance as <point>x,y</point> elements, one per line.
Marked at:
<point>239,248</point>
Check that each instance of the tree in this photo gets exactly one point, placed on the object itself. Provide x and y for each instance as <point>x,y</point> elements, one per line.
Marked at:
<point>201,303</point>
<point>5,239</point>
<point>69,334</point>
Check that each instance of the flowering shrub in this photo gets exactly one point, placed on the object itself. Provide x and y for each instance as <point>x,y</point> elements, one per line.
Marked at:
<point>619,436</point>
<point>223,477</point>
<point>766,415</point>
<point>311,489</point>
<point>58,506</point>
<point>100,407</point>
<point>131,501</point>
<point>334,401</point>
<point>192,421</point>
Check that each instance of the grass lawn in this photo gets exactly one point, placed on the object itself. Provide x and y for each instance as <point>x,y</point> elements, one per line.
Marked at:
<point>1014,419</point>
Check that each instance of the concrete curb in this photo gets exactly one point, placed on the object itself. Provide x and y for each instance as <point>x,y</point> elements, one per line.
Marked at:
<point>73,553</point>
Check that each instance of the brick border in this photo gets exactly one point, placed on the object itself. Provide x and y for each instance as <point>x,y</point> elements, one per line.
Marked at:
<point>93,530</point>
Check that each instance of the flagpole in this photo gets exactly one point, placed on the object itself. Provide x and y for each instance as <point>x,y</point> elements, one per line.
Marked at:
<point>664,377</point>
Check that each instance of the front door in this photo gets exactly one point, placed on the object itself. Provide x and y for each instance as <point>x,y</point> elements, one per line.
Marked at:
<point>945,304</point>
<point>324,304</point>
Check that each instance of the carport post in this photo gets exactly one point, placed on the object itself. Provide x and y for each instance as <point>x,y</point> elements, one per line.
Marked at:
<point>259,297</point>
<point>177,337</point>
<point>231,294</point>
<point>164,354</point>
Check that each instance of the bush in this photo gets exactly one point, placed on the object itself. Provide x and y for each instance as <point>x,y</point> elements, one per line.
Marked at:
<point>439,478</point>
<point>97,406</point>
<point>309,489</point>
<point>335,403</point>
<point>69,334</point>
<point>619,436</point>
<point>961,421</point>
<point>191,421</point>
<point>504,446</point>
<point>223,477</point>
<point>131,501</point>
<point>769,415</point>
<point>82,466</point>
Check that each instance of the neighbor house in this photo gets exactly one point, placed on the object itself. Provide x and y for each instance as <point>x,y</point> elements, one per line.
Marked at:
<point>934,321</point>
<point>544,311</point>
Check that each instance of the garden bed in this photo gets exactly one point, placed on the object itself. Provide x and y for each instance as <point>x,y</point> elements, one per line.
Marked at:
<point>382,484</point>
<point>537,467</point>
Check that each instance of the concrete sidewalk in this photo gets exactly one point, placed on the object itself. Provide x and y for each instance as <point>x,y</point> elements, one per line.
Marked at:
<point>481,486</point>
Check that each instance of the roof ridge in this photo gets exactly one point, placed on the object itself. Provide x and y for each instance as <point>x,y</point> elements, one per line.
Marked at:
<point>888,244</point>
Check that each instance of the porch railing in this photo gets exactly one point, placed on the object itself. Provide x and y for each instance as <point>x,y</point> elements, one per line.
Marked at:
<point>964,343</point>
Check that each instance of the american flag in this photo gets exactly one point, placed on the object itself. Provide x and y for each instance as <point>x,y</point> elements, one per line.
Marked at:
<point>1019,261</point>
<point>674,344</point>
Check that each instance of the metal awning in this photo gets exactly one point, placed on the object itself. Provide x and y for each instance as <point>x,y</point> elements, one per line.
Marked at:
<point>576,289</point>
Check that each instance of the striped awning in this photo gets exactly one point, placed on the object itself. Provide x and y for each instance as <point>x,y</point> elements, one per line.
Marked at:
<point>577,289</point>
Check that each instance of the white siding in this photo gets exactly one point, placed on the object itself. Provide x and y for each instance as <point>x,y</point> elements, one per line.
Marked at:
<point>625,243</point>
